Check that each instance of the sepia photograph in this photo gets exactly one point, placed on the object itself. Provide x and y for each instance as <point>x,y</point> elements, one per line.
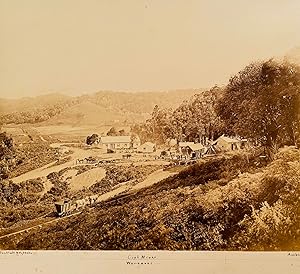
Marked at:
<point>150,126</point>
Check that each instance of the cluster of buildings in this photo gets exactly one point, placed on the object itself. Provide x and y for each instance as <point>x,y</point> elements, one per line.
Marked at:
<point>222,144</point>
<point>125,143</point>
<point>183,149</point>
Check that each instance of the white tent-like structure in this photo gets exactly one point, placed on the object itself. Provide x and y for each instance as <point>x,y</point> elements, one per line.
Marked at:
<point>147,147</point>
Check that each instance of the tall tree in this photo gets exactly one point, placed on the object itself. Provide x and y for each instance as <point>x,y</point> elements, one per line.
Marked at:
<point>6,155</point>
<point>197,118</point>
<point>262,103</point>
<point>92,139</point>
<point>159,126</point>
<point>112,132</point>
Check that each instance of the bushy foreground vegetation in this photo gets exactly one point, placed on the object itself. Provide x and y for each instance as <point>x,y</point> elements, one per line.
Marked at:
<point>15,161</point>
<point>29,200</point>
<point>208,210</point>
<point>21,202</point>
<point>120,174</point>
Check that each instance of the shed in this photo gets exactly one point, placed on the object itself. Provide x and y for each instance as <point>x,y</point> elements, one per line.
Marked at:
<point>194,150</point>
<point>183,145</point>
<point>147,147</point>
<point>224,143</point>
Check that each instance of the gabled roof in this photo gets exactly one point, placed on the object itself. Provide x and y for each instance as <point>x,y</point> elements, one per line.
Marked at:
<point>148,144</point>
<point>228,139</point>
<point>196,147</point>
<point>115,139</point>
<point>62,202</point>
<point>185,144</point>
<point>135,138</point>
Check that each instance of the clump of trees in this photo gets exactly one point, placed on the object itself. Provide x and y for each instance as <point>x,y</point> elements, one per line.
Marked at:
<point>260,103</point>
<point>18,160</point>
<point>114,132</point>
<point>198,118</point>
<point>92,139</point>
<point>194,120</point>
<point>7,155</point>
<point>19,194</point>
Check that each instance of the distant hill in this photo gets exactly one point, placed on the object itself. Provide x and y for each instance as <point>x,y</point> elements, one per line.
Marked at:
<point>32,103</point>
<point>140,102</point>
<point>88,113</point>
<point>98,108</point>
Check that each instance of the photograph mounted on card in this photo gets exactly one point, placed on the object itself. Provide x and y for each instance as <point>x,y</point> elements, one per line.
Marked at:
<point>149,127</point>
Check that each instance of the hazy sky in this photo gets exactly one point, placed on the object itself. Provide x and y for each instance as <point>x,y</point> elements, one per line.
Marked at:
<point>78,46</point>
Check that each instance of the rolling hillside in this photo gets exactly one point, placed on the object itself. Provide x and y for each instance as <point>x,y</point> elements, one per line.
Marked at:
<point>87,113</point>
<point>99,108</point>
<point>32,103</point>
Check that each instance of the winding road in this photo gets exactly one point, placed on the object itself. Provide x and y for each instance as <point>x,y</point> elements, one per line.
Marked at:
<point>78,153</point>
<point>84,179</point>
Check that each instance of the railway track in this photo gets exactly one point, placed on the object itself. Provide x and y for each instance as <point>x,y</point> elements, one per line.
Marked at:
<point>114,201</point>
<point>110,202</point>
<point>26,230</point>
<point>119,199</point>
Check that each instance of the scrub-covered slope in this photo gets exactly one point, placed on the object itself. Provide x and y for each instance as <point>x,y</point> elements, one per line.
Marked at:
<point>218,204</point>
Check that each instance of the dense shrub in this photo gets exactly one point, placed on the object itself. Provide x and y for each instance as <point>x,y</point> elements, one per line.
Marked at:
<point>31,156</point>
<point>20,202</point>
<point>120,174</point>
<point>59,189</point>
<point>17,194</point>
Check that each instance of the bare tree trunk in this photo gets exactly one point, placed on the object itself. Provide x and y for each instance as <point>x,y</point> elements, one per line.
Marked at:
<point>271,147</point>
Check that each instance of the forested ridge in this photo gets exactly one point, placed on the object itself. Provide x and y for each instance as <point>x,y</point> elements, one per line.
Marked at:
<point>260,103</point>
<point>42,108</point>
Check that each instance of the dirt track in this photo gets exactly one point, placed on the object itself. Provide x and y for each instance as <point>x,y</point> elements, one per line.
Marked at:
<point>153,178</point>
<point>43,171</point>
<point>150,180</point>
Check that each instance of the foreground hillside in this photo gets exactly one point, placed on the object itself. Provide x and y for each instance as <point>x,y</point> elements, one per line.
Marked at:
<point>237,202</point>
